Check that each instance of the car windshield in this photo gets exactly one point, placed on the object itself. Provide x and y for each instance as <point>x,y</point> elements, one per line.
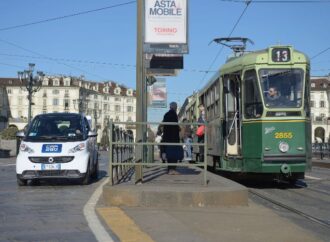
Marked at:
<point>55,127</point>
<point>282,88</point>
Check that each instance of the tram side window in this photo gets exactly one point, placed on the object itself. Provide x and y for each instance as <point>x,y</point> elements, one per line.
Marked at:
<point>252,101</point>
<point>307,96</point>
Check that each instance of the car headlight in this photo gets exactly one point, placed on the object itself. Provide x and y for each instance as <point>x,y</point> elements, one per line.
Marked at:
<point>283,146</point>
<point>79,147</point>
<point>25,148</point>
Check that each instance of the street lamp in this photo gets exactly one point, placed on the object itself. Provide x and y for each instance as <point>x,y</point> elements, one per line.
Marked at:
<point>97,114</point>
<point>80,104</point>
<point>31,83</point>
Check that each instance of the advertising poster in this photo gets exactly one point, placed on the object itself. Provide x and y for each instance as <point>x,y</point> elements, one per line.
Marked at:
<point>157,97</point>
<point>166,21</point>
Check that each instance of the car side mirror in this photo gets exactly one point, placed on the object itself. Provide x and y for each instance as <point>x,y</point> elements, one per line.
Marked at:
<point>92,134</point>
<point>20,134</point>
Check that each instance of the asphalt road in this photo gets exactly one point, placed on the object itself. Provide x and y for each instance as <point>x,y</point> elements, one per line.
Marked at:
<point>50,211</point>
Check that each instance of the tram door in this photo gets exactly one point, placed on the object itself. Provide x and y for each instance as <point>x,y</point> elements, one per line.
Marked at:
<point>232,105</point>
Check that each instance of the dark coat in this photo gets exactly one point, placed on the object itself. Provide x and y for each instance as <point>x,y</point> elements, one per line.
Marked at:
<point>171,132</point>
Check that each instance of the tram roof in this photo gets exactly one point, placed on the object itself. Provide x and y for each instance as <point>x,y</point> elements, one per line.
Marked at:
<point>259,57</point>
<point>262,57</point>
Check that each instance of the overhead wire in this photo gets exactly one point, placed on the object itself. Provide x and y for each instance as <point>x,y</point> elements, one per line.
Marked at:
<point>16,66</point>
<point>231,32</point>
<point>279,1</point>
<point>36,53</point>
<point>320,53</point>
<point>120,65</point>
<point>65,16</point>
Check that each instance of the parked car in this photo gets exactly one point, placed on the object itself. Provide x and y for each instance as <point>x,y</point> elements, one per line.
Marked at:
<point>57,145</point>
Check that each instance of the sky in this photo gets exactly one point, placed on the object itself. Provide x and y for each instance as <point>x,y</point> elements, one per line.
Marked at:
<point>101,45</point>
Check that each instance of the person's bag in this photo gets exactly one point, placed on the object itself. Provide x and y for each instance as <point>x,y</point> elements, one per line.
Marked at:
<point>174,152</point>
<point>200,131</point>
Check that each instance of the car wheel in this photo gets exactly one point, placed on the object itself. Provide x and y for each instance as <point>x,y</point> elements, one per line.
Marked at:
<point>21,182</point>
<point>35,182</point>
<point>87,178</point>
<point>96,170</point>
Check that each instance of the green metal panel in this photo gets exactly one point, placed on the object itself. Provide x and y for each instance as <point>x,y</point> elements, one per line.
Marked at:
<point>262,136</point>
<point>289,131</point>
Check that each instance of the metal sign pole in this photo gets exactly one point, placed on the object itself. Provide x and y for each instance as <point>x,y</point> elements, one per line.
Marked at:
<point>140,92</point>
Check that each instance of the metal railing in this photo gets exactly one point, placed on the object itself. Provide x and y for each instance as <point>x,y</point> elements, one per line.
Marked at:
<point>121,150</point>
<point>122,154</point>
<point>321,150</point>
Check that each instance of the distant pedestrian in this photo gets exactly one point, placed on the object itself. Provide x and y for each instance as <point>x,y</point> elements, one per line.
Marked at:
<point>159,140</point>
<point>321,150</point>
<point>151,138</point>
<point>171,135</point>
<point>200,139</point>
<point>186,137</point>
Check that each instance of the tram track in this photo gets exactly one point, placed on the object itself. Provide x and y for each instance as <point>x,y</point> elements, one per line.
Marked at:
<point>321,164</point>
<point>291,209</point>
<point>313,189</point>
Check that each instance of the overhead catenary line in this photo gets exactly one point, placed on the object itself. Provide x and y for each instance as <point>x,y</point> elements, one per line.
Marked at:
<point>124,66</point>
<point>36,53</point>
<point>320,53</point>
<point>65,16</point>
<point>279,1</point>
<point>231,32</point>
<point>16,66</point>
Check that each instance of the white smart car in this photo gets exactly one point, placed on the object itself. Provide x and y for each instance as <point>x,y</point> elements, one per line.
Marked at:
<point>57,145</point>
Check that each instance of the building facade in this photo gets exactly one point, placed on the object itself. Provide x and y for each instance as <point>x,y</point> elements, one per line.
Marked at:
<point>102,101</point>
<point>4,108</point>
<point>320,109</point>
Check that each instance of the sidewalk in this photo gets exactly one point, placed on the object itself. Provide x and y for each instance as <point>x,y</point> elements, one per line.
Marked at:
<point>169,220</point>
<point>325,162</point>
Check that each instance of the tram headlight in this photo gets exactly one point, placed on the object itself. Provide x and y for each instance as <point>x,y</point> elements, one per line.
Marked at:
<point>283,146</point>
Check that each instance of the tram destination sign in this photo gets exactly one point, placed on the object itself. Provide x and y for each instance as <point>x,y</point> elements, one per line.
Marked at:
<point>166,26</point>
<point>281,55</point>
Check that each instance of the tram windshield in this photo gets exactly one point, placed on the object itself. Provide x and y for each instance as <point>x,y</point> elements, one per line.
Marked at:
<point>282,88</point>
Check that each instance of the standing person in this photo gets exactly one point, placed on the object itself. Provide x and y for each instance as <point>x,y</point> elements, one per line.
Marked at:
<point>186,136</point>
<point>321,150</point>
<point>201,119</point>
<point>151,138</point>
<point>159,139</point>
<point>171,135</point>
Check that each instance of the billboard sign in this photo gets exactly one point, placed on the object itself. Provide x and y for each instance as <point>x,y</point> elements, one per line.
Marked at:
<point>166,26</point>
<point>158,94</point>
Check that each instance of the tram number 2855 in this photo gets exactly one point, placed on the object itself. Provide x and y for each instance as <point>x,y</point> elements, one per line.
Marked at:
<point>283,135</point>
<point>281,55</point>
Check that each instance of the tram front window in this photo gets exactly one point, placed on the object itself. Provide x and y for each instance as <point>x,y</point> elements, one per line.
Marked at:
<point>282,88</point>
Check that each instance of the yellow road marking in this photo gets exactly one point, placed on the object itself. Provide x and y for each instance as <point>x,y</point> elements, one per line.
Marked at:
<point>122,225</point>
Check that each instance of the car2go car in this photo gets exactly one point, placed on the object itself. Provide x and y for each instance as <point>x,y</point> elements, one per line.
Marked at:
<point>57,145</point>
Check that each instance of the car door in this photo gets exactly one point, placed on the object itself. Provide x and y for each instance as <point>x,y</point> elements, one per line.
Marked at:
<point>91,141</point>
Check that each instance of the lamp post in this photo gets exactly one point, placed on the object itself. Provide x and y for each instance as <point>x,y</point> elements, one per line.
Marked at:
<point>31,83</point>
<point>80,105</point>
<point>97,114</point>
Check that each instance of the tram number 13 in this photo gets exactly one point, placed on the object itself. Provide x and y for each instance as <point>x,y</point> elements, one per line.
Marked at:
<point>281,55</point>
<point>283,135</point>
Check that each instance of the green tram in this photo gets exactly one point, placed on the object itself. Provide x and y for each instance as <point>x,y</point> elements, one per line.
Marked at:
<point>252,131</point>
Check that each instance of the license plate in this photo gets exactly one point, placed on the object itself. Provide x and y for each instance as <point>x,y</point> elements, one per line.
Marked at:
<point>50,166</point>
<point>51,148</point>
